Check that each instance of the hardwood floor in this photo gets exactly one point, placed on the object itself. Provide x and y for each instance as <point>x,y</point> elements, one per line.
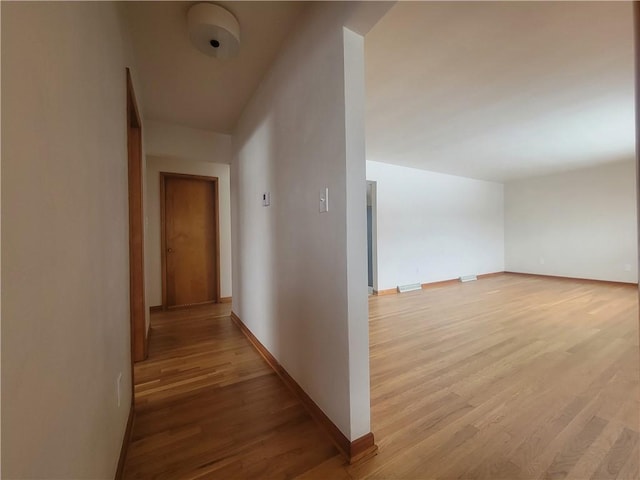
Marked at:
<point>507,377</point>
<point>208,406</point>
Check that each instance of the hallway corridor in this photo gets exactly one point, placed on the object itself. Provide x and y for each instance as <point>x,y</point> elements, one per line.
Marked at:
<point>208,406</point>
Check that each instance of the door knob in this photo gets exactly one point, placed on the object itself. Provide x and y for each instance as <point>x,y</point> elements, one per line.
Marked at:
<point>169,250</point>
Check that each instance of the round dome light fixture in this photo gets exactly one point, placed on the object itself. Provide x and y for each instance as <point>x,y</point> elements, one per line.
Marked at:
<point>213,30</point>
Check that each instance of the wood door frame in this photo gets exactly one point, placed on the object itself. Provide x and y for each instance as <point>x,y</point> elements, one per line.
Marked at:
<point>163,232</point>
<point>136,229</point>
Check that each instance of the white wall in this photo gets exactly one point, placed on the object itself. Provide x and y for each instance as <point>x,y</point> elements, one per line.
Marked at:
<point>356,203</point>
<point>297,283</point>
<point>580,224</point>
<point>433,227</point>
<point>155,165</point>
<point>171,140</point>
<point>65,274</point>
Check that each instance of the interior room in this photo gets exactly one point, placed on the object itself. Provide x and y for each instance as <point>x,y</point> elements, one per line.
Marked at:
<point>319,240</point>
<point>534,172</point>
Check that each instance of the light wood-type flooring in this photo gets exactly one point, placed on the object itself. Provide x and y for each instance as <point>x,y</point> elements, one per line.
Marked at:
<point>208,406</point>
<point>508,377</point>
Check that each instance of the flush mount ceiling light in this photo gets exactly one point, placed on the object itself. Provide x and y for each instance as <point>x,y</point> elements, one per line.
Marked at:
<point>213,30</point>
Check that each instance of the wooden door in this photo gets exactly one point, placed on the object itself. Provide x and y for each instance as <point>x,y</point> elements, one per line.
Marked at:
<point>190,240</point>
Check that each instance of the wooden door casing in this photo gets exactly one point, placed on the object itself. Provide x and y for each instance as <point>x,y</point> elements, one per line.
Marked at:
<point>190,240</point>
<point>136,228</point>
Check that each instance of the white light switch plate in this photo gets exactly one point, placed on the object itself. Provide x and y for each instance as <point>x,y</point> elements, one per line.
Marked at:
<point>324,200</point>
<point>266,199</point>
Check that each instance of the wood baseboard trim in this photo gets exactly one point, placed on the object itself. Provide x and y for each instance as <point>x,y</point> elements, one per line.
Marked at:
<point>576,279</point>
<point>390,291</point>
<point>442,283</point>
<point>452,281</point>
<point>160,308</point>
<point>494,274</point>
<point>126,440</point>
<point>362,448</point>
<point>191,305</point>
<point>354,451</point>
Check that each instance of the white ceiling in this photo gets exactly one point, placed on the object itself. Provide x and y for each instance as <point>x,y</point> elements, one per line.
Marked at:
<point>501,90</point>
<point>182,85</point>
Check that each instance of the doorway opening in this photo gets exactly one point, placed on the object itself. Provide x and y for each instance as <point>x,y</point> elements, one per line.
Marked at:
<point>372,255</point>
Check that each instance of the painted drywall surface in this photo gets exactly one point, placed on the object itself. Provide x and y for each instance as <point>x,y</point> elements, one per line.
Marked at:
<point>356,204</point>
<point>171,140</point>
<point>65,275</point>
<point>433,227</point>
<point>580,224</point>
<point>526,88</point>
<point>155,165</point>
<point>291,270</point>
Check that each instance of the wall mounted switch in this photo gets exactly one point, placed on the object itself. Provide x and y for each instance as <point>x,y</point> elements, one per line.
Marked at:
<point>324,200</point>
<point>266,199</point>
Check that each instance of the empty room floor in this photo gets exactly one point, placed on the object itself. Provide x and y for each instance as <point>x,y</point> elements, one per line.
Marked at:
<point>510,377</point>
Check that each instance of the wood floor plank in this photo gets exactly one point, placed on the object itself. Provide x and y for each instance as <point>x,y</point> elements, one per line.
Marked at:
<point>621,451</point>
<point>565,460</point>
<point>587,465</point>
